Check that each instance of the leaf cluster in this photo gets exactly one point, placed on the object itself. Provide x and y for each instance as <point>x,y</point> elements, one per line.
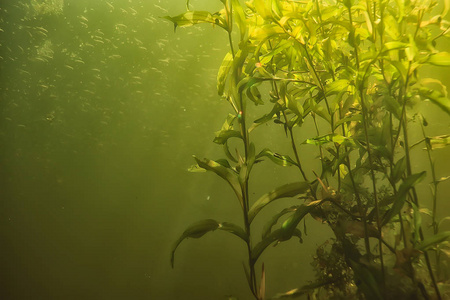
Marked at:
<point>351,68</point>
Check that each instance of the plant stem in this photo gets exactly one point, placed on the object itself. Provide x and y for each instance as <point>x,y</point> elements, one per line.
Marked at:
<point>291,134</point>
<point>360,86</point>
<point>434,194</point>
<point>244,186</point>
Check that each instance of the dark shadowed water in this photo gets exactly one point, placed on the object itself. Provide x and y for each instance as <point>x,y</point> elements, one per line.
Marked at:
<point>102,106</point>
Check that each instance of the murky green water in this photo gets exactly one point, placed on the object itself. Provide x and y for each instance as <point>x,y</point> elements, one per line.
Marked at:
<point>101,107</point>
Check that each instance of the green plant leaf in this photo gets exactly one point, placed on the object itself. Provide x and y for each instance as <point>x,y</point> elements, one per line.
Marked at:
<point>278,235</point>
<point>227,174</point>
<point>368,278</point>
<point>268,117</point>
<point>223,136</point>
<point>248,82</point>
<point>398,170</point>
<point>439,59</point>
<point>239,17</point>
<point>400,197</point>
<point>263,9</point>
<point>259,248</point>
<point>288,229</point>
<point>268,227</point>
<point>443,220</point>
<point>291,223</point>
<point>434,240</point>
<point>394,46</point>
<point>440,141</point>
<point>353,118</point>
<point>254,95</point>
<point>393,106</point>
<point>287,190</point>
<point>190,18</point>
<point>223,72</point>
<point>436,97</point>
<point>335,138</point>
<point>200,228</point>
<point>234,229</point>
<point>281,160</point>
<point>196,231</point>
<point>336,87</point>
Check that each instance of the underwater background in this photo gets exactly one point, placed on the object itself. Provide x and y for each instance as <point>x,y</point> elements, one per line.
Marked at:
<point>102,106</point>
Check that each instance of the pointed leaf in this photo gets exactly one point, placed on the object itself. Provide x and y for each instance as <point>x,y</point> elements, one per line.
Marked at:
<point>268,227</point>
<point>437,142</point>
<point>287,230</point>
<point>367,276</point>
<point>436,97</point>
<point>234,229</point>
<point>223,72</point>
<point>287,190</point>
<point>282,160</point>
<point>400,197</point>
<point>439,59</point>
<point>239,16</point>
<point>264,243</point>
<point>227,174</point>
<point>336,87</point>
<point>198,229</point>
<point>276,109</point>
<point>223,136</point>
<point>434,240</point>
<point>398,170</point>
<point>195,230</point>
<point>291,223</point>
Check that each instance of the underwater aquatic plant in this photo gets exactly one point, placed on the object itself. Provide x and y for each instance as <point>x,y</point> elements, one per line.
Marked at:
<point>353,66</point>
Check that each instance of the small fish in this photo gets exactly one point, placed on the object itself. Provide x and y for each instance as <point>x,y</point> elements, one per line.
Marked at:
<point>110,5</point>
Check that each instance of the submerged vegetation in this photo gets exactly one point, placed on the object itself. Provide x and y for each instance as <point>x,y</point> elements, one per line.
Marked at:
<point>352,68</point>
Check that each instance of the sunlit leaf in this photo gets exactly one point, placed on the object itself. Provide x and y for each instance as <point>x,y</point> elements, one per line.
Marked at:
<point>239,16</point>
<point>352,118</point>
<point>439,59</point>
<point>336,86</point>
<point>263,8</point>
<point>223,72</point>
<point>287,190</point>
<point>394,46</point>
<point>440,141</point>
